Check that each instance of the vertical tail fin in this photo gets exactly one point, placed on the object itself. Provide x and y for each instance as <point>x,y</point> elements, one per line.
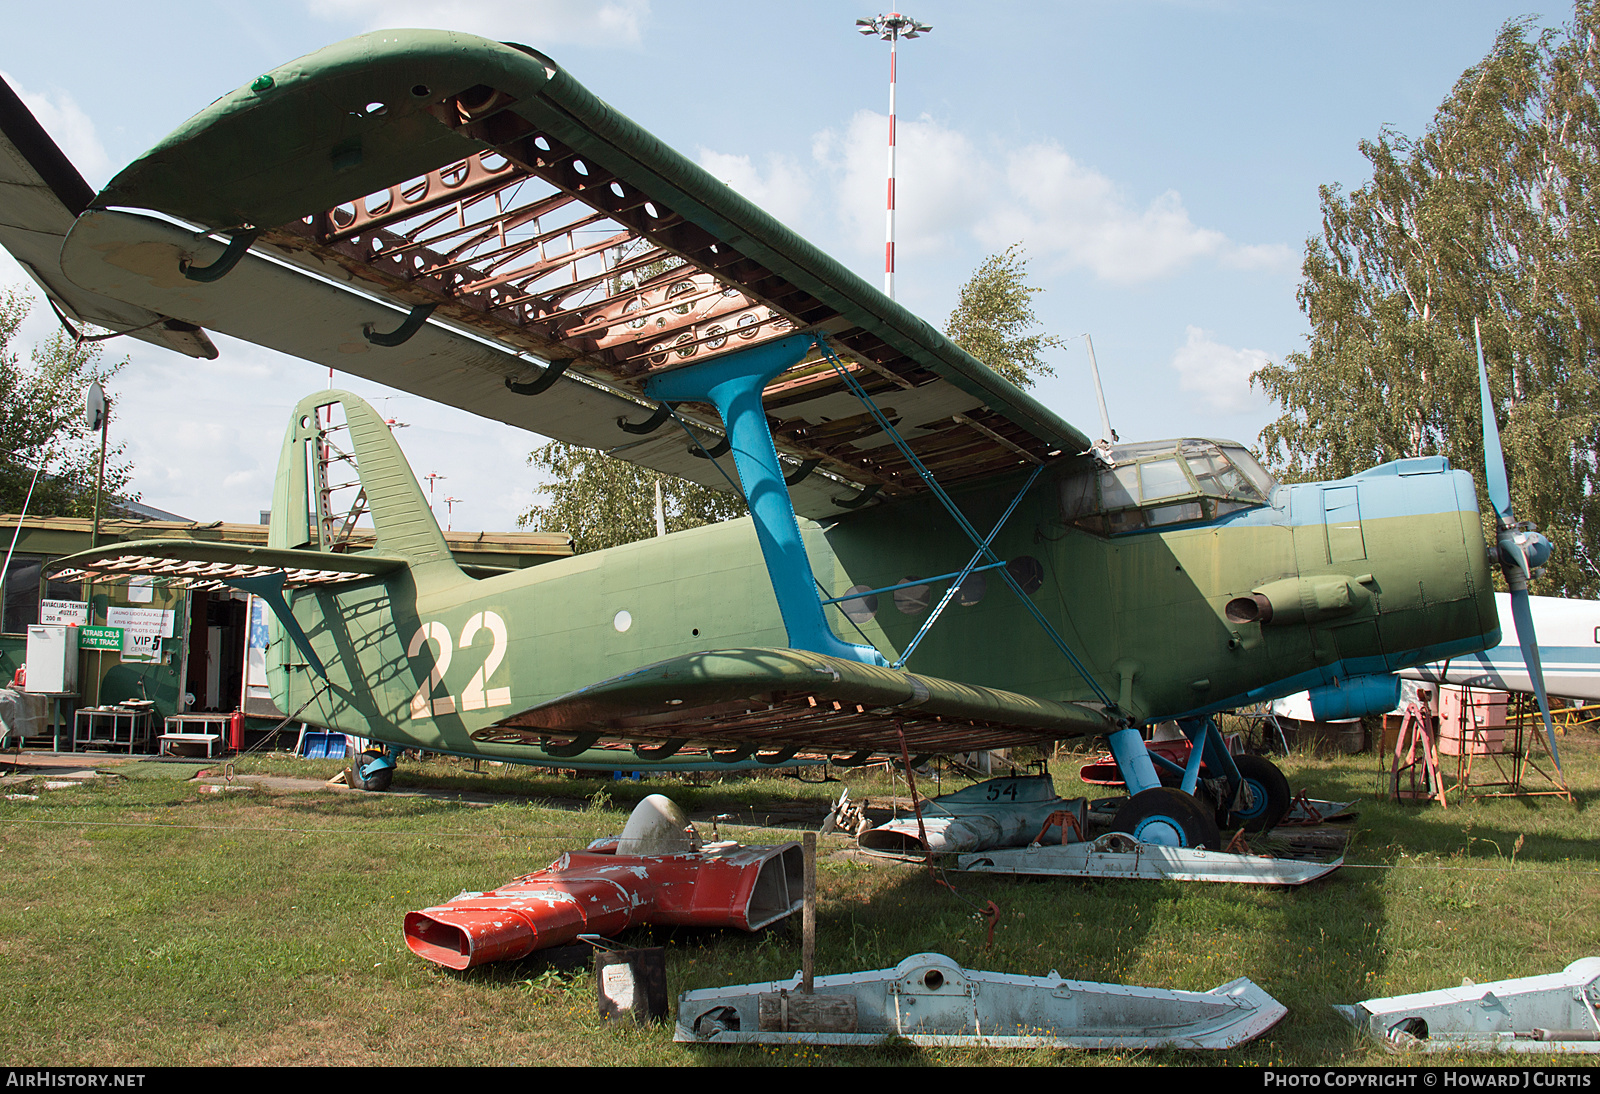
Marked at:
<point>341,462</point>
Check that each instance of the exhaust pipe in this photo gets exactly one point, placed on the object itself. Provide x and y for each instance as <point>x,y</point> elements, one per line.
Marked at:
<point>599,891</point>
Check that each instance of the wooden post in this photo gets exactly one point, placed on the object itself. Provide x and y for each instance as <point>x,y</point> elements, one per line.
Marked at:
<point>803,1011</point>
<point>808,944</point>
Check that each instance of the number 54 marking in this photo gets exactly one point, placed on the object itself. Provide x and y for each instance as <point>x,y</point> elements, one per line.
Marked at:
<point>478,695</point>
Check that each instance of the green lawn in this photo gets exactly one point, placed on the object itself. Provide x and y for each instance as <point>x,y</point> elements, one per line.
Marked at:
<point>143,921</point>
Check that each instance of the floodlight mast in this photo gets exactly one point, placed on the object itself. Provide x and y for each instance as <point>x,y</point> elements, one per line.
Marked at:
<point>891,28</point>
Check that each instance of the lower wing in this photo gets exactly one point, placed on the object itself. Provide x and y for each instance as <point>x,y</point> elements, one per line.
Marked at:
<point>777,698</point>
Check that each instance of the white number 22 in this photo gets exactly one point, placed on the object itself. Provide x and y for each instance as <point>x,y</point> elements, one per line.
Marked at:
<point>478,695</point>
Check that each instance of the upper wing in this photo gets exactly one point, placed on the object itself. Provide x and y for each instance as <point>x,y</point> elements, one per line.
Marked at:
<point>41,194</point>
<point>431,169</point>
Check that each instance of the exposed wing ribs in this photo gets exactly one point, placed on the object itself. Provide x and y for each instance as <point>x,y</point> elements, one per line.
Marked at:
<point>533,246</point>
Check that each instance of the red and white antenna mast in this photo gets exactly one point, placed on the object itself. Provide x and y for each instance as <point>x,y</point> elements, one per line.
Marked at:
<point>891,28</point>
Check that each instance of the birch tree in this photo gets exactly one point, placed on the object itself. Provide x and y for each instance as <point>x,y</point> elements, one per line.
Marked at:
<point>41,417</point>
<point>1493,213</point>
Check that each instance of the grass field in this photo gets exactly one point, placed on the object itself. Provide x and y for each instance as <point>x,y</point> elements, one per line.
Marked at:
<point>144,921</point>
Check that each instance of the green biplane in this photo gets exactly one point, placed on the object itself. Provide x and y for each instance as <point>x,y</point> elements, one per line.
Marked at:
<point>933,561</point>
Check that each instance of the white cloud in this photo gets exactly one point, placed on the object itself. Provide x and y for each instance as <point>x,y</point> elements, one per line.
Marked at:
<point>1219,374</point>
<point>783,189</point>
<point>1065,209</point>
<point>951,188</point>
<point>941,182</point>
<point>1079,216</point>
<point>533,22</point>
<point>70,128</point>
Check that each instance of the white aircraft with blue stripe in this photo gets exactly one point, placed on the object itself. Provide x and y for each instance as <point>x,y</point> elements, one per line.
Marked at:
<point>1569,652</point>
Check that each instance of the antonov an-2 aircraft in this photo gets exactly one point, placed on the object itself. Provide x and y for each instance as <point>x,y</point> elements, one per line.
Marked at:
<point>933,561</point>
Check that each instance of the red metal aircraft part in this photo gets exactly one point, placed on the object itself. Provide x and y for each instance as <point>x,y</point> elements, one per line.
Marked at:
<point>601,892</point>
<point>1105,772</point>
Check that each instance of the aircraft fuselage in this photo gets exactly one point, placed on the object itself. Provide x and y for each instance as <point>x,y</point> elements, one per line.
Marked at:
<point>1366,575</point>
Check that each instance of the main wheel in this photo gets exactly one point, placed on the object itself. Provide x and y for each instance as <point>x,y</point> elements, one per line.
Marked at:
<point>1268,792</point>
<point>378,781</point>
<point>1167,816</point>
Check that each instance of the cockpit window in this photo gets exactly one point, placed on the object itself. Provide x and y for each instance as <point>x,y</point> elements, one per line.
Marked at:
<point>1164,483</point>
<point>1162,479</point>
<point>1258,475</point>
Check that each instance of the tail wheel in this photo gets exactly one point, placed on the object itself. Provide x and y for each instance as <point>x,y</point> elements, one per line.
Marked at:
<point>378,781</point>
<point>1167,816</point>
<point>1267,796</point>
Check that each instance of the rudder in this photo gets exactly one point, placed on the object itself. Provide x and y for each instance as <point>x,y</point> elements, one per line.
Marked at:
<point>339,462</point>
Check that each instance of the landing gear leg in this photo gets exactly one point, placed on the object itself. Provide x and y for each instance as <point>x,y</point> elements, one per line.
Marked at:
<point>373,769</point>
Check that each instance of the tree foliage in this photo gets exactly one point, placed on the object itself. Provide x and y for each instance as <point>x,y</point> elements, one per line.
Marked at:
<point>1493,213</point>
<point>604,502</point>
<point>992,319</point>
<point>41,415</point>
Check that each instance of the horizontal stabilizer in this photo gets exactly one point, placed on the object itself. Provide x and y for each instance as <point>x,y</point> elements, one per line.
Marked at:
<point>201,564</point>
<point>776,698</point>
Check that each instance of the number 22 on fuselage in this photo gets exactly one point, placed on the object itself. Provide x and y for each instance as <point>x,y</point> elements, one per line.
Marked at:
<point>478,695</point>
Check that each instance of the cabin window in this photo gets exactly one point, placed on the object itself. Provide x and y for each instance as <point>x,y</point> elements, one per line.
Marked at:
<point>859,609</point>
<point>1162,479</point>
<point>1028,573</point>
<point>971,591</point>
<point>912,600</point>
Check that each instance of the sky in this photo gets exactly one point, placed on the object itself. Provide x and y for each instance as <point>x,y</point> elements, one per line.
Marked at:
<point>1159,161</point>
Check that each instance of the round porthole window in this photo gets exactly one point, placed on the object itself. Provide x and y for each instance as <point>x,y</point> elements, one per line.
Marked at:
<point>913,600</point>
<point>972,590</point>
<point>860,609</point>
<point>1027,571</point>
<point>632,306</point>
<point>622,621</point>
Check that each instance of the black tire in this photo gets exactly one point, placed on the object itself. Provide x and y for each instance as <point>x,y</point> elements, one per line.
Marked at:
<point>377,782</point>
<point>1269,793</point>
<point>1166,815</point>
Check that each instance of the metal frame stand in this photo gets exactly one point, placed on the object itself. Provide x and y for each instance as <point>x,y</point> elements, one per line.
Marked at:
<point>1414,748</point>
<point>1513,783</point>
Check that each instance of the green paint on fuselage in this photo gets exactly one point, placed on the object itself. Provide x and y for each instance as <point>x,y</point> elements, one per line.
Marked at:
<point>1151,604</point>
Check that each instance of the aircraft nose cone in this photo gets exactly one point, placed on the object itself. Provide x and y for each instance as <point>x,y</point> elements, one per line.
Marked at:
<point>1535,547</point>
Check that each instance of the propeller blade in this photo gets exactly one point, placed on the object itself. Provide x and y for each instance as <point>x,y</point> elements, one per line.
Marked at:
<point>1522,613</point>
<point>1513,549</point>
<point>1494,460</point>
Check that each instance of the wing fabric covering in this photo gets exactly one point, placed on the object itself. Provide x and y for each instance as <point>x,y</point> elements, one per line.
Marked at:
<point>437,170</point>
<point>41,195</point>
<point>783,698</point>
